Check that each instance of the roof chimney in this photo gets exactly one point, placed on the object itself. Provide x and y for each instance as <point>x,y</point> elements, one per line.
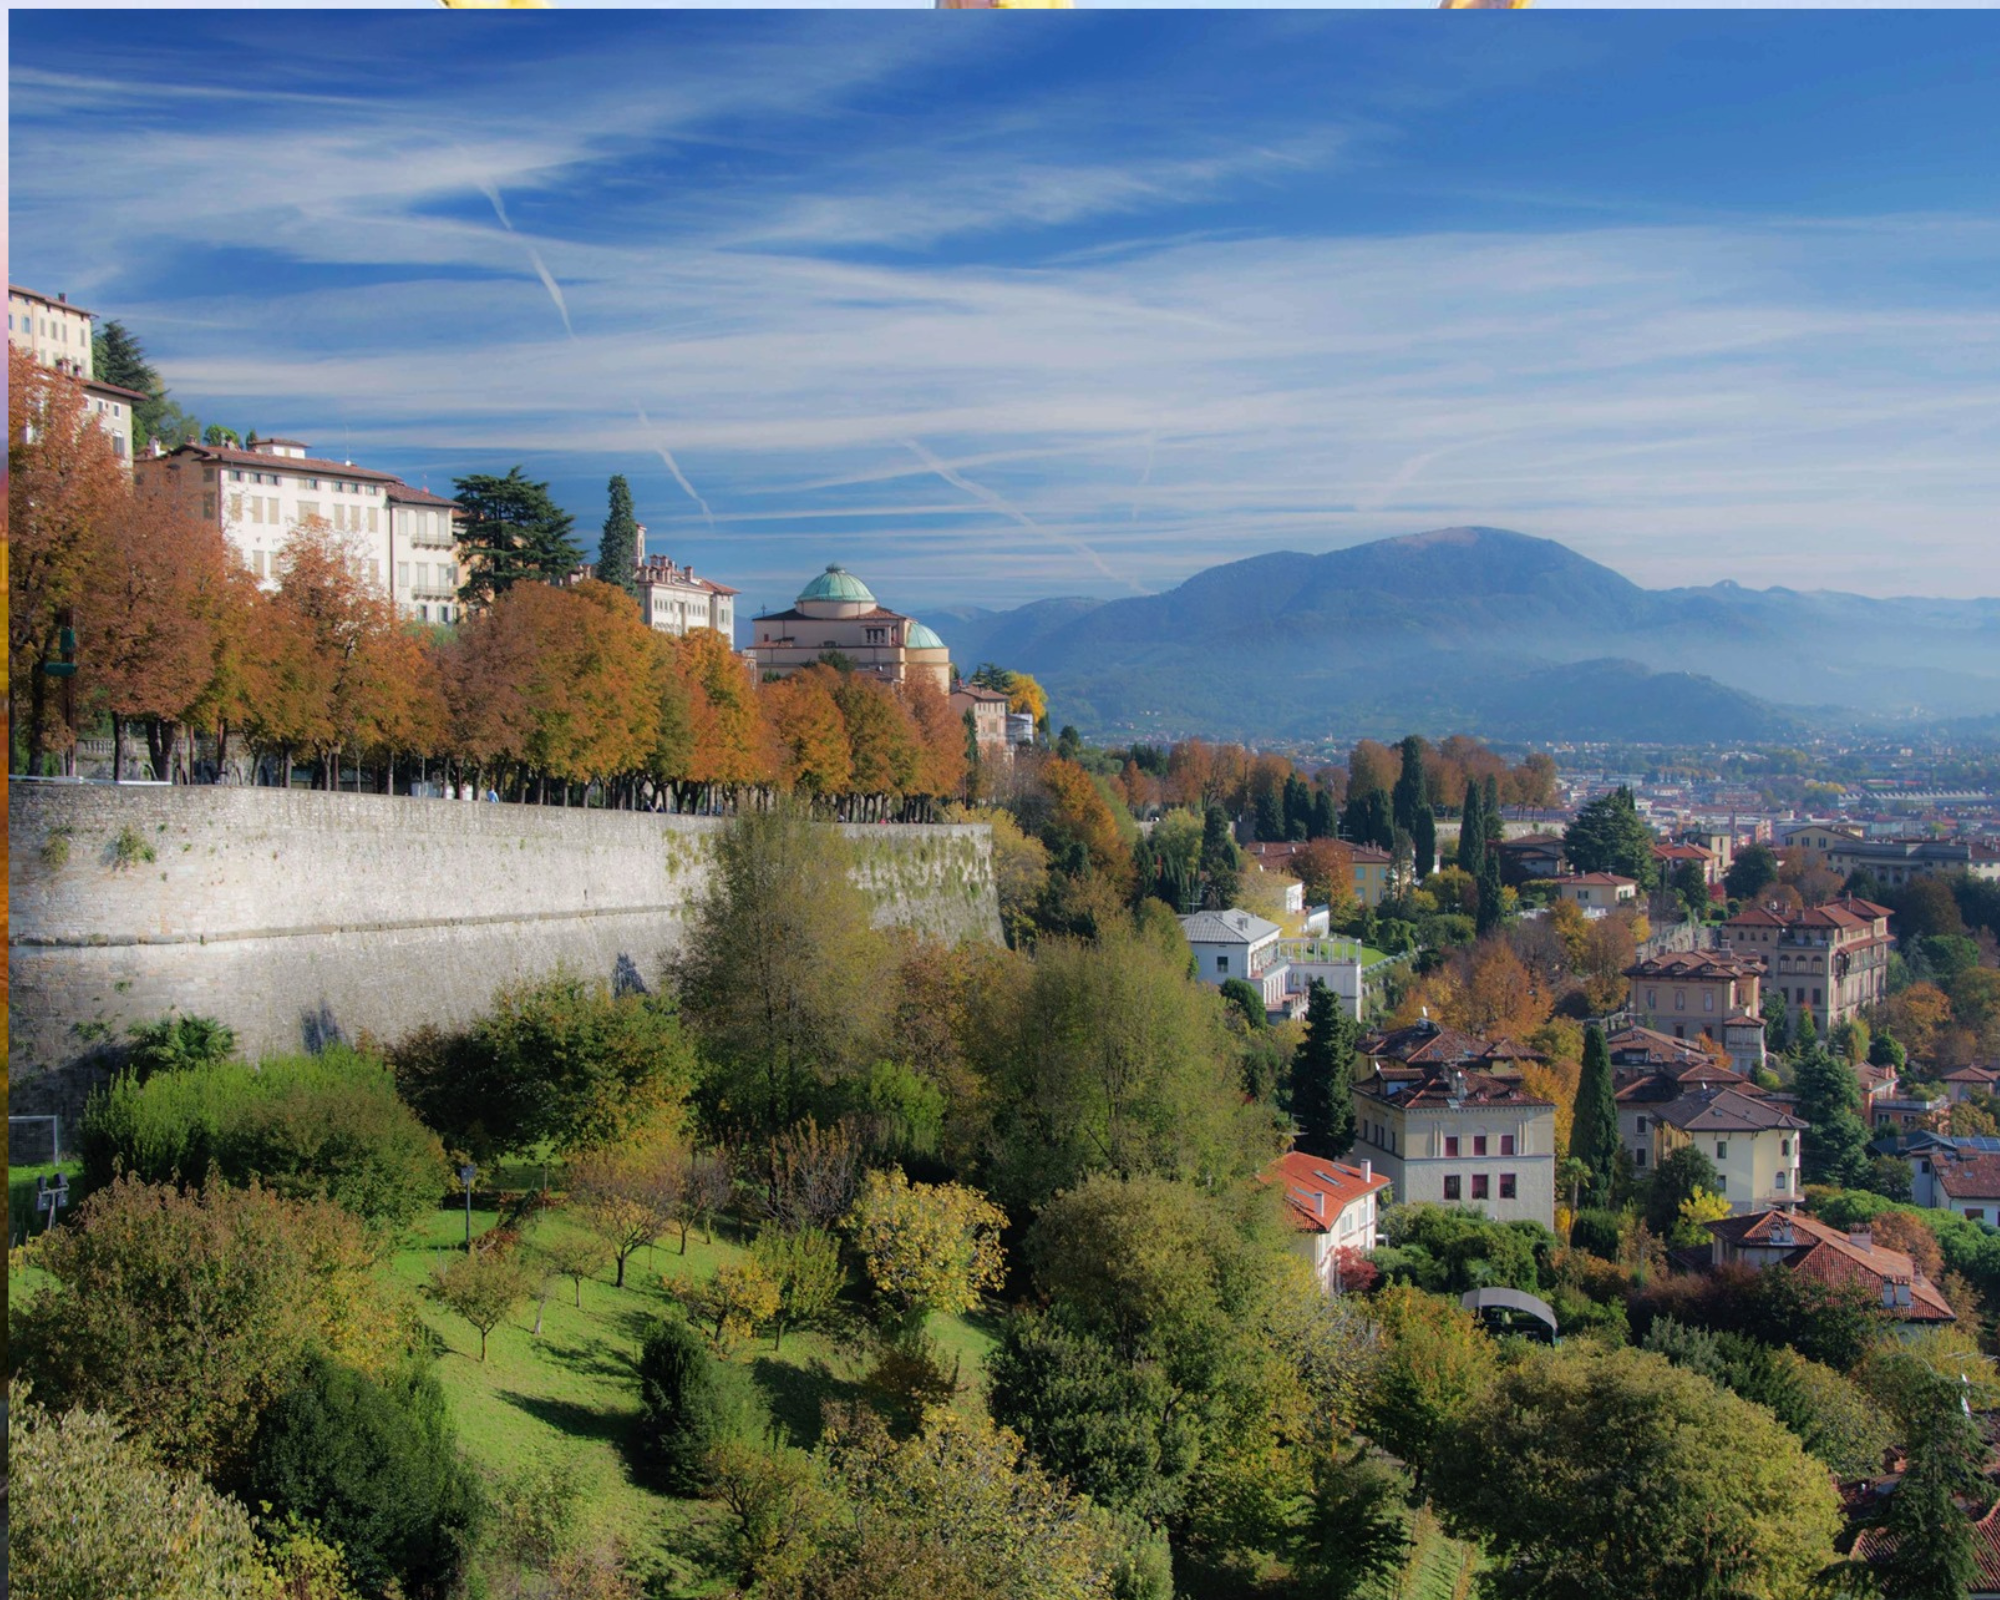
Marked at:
<point>1367,1169</point>
<point>1319,1202</point>
<point>1861,1238</point>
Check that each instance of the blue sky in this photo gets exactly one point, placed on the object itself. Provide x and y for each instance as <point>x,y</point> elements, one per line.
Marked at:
<point>990,311</point>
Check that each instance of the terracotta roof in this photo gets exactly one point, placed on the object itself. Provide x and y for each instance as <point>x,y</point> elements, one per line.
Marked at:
<point>1834,1257</point>
<point>1438,1088</point>
<point>1972,1074</point>
<point>1430,1044</point>
<point>1755,917</point>
<point>1697,965</point>
<point>1681,852</point>
<point>1663,1085</point>
<point>48,300</point>
<point>1318,1190</point>
<point>230,456</point>
<point>1530,841</point>
<point>134,395</point>
<point>1877,1544</point>
<point>1367,854</point>
<point>1604,879</point>
<point>1968,1177</point>
<point>1725,1110</point>
<point>403,494</point>
<point>1637,1046</point>
<point>979,692</point>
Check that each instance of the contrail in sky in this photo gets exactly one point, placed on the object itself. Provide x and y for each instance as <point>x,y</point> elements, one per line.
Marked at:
<point>987,497</point>
<point>1145,477</point>
<point>492,193</point>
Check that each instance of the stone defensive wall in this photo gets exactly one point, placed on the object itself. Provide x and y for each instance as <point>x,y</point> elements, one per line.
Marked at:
<point>299,918</point>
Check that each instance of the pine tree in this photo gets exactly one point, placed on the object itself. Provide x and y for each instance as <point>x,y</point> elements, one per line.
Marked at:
<point>1609,836</point>
<point>1325,821</point>
<point>513,533</point>
<point>116,356</point>
<point>1323,1075</point>
<point>1487,879</point>
<point>1424,840</point>
<point>1471,830</point>
<point>1270,821</point>
<point>1835,1149</point>
<point>1218,859</point>
<point>1593,1136</point>
<point>1932,1556</point>
<point>618,550</point>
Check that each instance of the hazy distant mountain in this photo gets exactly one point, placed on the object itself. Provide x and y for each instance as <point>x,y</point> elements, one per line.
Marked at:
<point>1482,628</point>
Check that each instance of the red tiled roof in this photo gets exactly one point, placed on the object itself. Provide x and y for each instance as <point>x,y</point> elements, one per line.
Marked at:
<point>1832,1257</point>
<point>1697,966</point>
<point>48,300</point>
<point>1972,1074</point>
<point>1598,878</point>
<point>230,456</point>
<point>1967,1177</point>
<point>96,387</point>
<point>403,494</point>
<point>1430,1044</point>
<point>877,615</point>
<point>1727,1110</point>
<point>1681,852</point>
<point>1318,1190</point>
<point>1874,1545</point>
<point>1367,854</point>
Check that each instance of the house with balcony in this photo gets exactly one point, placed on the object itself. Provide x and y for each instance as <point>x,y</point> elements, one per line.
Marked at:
<point>1597,893</point>
<point>1239,944</point>
<point>1831,960</point>
<point>1649,1072</point>
<point>1331,1208</point>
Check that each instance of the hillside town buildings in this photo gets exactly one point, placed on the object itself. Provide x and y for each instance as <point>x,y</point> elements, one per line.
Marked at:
<point>1830,960</point>
<point>1331,1208</point>
<point>1790,1238</point>
<point>1689,993</point>
<point>400,538</point>
<point>57,335</point>
<point>1444,1116</point>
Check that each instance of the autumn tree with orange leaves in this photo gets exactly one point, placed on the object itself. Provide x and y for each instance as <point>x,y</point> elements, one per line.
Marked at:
<point>64,489</point>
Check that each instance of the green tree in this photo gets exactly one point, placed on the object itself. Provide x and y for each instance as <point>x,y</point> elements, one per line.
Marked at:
<point>1682,1172</point>
<point>618,549</point>
<point>1247,999</point>
<point>1610,836</point>
<point>187,1313</point>
<point>1472,831</point>
<point>927,1246</point>
<point>91,1512</point>
<point>1650,1481</point>
<point>511,532</point>
<point>806,1268</point>
<point>571,1253</point>
<point>1219,860</point>
<point>1752,870</point>
<point>481,1286</point>
<point>1777,1016</point>
<point>1593,1136</point>
<point>1492,904</point>
<point>375,1466</point>
<point>1110,1057</point>
<point>1926,1540</point>
<point>1323,1075</point>
<point>687,1405</point>
<point>1435,1364</point>
<point>1835,1147</point>
<point>781,975</point>
<point>176,1042</point>
<point>118,357</point>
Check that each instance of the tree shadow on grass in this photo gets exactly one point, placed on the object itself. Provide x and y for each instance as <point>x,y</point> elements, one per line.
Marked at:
<point>796,1394</point>
<point>590,1358</point>
<point>573,1420</point>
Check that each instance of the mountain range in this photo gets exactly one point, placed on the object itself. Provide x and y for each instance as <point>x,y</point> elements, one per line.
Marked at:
<point>1490,631</point>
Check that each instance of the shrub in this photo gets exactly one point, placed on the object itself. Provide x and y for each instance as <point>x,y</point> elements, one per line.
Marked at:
<point>327,1126</point>
<point>188,1313</point>
<point>376,1465</point>
<point>176,1042</point>
<point>1597,1230</point>
<point>91,1513</point>
<point>689,1402</point>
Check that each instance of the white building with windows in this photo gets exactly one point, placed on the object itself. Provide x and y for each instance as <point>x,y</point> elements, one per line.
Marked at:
<point>1332,1208</point>
<point>404,540</point>
<point>1753,1142</point>
<point>1237,944</point>
<point>57,335</point>
<point>673,600</point>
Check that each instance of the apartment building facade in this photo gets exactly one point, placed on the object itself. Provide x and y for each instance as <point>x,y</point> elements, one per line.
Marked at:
<point>1830,960</point>
<point>57,335</point>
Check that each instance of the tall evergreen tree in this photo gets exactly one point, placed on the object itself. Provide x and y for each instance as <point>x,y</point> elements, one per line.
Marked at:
<point>1323,1075</point>
<point>1325,819</point>
<point>116,356</point>
<point>1487,880</point>
<point>1218,860</point>
<point>1931,1553</point>
<point>1408,797</point>
<point>1593,1134</point>
<point>1270,816</point>
<point>1298,808</point>
<point>513,533</point>
<point>1835,1149</point>
<point>1609,836</point>
<point>1365,819</point>
<point>618,549</point>
<point>1471,830</point>
<point>1424,840</point>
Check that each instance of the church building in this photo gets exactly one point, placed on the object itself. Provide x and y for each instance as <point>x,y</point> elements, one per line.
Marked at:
<point>836,613</point>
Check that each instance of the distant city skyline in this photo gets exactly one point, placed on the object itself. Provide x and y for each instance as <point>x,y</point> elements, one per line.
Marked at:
<point>1082,307</point>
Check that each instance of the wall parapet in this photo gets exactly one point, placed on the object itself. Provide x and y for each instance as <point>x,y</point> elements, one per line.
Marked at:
<point>298,917</point>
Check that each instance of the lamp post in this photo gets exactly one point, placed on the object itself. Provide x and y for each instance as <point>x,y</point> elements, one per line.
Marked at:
<point>466,1175</point>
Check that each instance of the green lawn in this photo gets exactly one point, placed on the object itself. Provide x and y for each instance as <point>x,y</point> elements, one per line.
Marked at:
<point>21,1214</point>
<point>569,1390</point>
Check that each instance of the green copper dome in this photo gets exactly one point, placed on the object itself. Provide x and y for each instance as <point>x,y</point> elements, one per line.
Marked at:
<point>922,638</point>
<point>836,583</point>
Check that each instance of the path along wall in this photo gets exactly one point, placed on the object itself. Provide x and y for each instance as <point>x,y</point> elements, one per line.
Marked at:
<point>298,918</point>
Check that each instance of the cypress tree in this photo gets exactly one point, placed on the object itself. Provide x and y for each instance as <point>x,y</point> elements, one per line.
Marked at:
<point>1408,798</point>
<point>1931,1541</point>
<point>1472,830</point>
<point>1325,822</point>
<point>1323,1076</point>
<point>1488,880</point>
<point>618,550</point>
<point>1593,1137</point>
<point>1270,820</point>
<point>1218,859</point>
<point>1424,840</point>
